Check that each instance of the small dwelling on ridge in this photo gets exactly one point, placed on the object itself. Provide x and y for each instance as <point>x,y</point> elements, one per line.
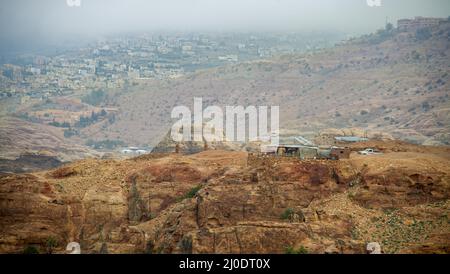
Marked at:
<point>308,152</point>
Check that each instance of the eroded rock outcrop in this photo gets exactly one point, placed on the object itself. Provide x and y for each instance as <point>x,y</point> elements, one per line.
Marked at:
<point>231,202</point>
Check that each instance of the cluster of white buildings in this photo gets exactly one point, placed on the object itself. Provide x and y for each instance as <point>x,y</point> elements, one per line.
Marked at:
<point>419,23</point>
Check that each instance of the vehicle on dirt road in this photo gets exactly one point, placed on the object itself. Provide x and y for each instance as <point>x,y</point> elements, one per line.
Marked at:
<point>369,151</point>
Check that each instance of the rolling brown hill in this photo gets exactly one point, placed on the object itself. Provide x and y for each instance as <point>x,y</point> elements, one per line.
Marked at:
<point>391,82</point>
<point>26,146</point>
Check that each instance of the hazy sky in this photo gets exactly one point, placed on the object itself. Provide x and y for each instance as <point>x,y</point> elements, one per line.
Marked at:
<point>46,19</point>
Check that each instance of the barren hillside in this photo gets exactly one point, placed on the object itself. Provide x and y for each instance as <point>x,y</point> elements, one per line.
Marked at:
<point>397,83</point>
<point>26,146</point>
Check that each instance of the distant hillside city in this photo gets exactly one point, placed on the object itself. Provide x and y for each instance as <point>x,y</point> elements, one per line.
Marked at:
<point>122,61</point>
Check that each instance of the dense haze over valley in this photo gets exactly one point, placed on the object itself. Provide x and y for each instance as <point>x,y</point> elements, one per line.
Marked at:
<point>32,25</point>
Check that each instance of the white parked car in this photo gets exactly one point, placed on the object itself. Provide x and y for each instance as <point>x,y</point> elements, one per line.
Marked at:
<point>134,151</point>
<point>369,151</point>
<point>141,151</point>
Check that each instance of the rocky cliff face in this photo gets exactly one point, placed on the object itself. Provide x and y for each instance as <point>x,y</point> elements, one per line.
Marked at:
<point>232,202</point>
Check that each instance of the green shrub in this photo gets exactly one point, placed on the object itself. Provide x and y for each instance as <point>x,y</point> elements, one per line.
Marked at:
<point>300,250</point>
<point>104,249</point>
<point>69,133</point>
<point>94,98</point>
<point>85,121</point>
<point>50,244</point>
<point>191,194</point>
<point>31,249</point>
<point>287,214</point>
<point>423,34</point>
<point>58,124</point>
<point>389,27</point>
<point>186,245</point>
<point>150,247</point>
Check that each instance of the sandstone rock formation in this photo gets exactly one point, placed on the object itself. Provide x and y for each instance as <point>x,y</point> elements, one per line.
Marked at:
<point>232,202</point>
